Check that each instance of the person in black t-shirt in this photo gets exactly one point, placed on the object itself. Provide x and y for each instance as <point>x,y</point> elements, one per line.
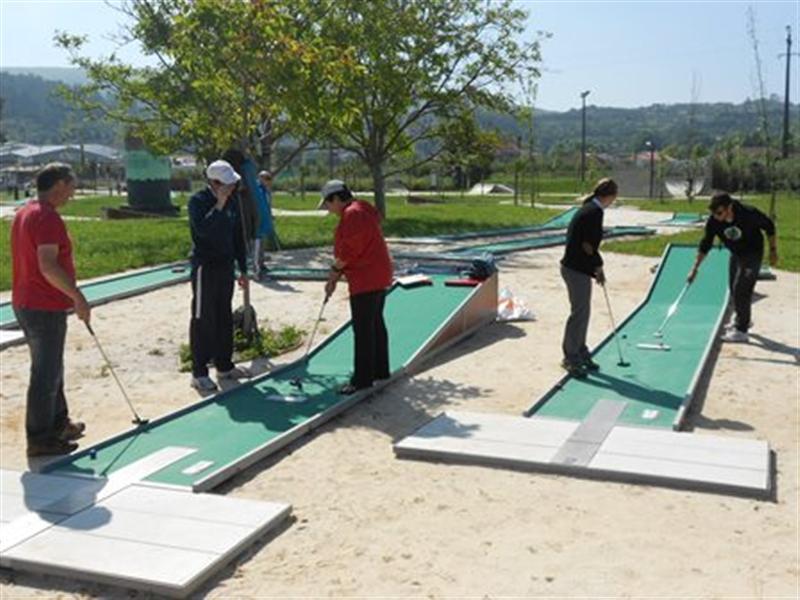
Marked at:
<point>739,226</point>
<point>581,263</point>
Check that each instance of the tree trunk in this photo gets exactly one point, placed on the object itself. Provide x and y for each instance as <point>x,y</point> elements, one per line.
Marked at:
<point>378,184</point>
<point>266,140</point>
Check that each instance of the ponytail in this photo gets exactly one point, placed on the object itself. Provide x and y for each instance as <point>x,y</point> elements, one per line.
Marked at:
<point>605,187</point>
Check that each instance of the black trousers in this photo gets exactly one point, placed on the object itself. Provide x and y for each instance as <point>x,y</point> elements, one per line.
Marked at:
<point>742,276</point>
<point>211,327</point>
<point>371,339</point>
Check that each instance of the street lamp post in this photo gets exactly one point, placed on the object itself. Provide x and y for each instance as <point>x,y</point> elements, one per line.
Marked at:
<point>651,147</point>
<point>583,134</point>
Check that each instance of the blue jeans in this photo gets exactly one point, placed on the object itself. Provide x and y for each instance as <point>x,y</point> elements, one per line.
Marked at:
<point>45,332</point>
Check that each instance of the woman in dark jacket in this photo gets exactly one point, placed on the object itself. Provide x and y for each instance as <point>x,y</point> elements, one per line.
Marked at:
<point>581,263</point>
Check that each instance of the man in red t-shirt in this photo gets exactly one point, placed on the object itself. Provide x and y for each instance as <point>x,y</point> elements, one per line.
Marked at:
<point>360,253</point>
<point>43,291</point>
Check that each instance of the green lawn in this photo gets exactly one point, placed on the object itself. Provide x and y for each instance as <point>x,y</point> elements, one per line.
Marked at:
<point>787,220</point>
<point>104,247</point>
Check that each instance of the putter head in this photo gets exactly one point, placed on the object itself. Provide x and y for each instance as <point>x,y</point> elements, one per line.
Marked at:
<point>140,422</point>
<point>623,363</point>
<point>658,334</point>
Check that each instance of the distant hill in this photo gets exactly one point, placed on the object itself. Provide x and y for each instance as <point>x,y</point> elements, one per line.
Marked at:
<point>32,112</point>
<point>68,75</point>
<point>624,130</point>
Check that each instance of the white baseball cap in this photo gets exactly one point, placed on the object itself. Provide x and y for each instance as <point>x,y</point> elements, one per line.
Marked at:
<point>222,171</point>
<point>334,186</point>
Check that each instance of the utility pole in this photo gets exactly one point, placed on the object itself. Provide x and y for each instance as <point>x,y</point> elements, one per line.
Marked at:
<point>650,146</point>
<point>516,170</point>
<point>583,134</point>
<point>785,144</point>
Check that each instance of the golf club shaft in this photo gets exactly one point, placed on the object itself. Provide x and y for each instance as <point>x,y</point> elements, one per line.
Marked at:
<point>673,308</point>
<point>113,373</point>
<point>613,324</point>
<point>316,325</point>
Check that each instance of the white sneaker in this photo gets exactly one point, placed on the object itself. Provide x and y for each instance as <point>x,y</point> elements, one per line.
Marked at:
<point>235,373</point>
<point>203,384</point>
<point>732,324</point>
<point>736,336</point>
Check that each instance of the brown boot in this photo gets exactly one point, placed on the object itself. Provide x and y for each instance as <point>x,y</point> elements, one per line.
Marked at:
<point>46,447</point>
<point>72,431</point>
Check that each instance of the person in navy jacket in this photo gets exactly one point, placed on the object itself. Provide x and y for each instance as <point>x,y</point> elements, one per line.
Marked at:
<point>217,243</point>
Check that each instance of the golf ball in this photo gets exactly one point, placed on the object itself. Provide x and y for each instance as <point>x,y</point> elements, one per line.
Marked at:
<point>92,454</point>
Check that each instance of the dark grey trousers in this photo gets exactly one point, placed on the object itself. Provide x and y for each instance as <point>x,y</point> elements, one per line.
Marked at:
<point>742,276</point>
<point>45,332</point>
<point>579,289</point>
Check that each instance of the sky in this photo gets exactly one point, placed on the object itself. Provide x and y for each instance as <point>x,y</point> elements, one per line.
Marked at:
<point>627,54</point>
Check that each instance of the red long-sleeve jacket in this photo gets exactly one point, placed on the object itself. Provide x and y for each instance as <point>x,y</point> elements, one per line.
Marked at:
<point>359,244</point>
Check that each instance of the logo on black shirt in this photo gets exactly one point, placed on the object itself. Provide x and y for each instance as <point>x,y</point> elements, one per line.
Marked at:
<point>732,233</point>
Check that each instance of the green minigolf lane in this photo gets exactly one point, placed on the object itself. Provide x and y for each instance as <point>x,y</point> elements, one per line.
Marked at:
<point>681,218</point>
<point>655,380</point>
<point>560,221</point>
<point>113,287</point>
<point>544,241</point>
<point>232,424</point>
<point>518,245</point>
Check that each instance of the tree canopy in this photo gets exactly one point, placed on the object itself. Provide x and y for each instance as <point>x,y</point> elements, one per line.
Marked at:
<point>373,77</point>
<point>228,74</point>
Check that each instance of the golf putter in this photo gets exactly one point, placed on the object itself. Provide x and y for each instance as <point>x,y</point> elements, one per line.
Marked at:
<point>622,362</point>
<point>673,308</point>
<point>297,381</point>
<point>137,420</point>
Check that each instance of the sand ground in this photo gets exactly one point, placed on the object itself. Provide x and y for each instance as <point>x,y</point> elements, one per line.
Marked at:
<point>366,524</point>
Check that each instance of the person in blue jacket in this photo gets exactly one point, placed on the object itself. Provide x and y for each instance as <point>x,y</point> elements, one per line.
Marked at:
<point>217,243</point>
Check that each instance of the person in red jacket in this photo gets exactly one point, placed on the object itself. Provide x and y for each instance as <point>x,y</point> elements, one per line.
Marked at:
<point>361,255</point>
<point>43,292</point>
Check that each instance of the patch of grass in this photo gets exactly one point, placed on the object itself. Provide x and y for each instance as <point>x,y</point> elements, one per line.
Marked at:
<point>271,343</point>
<point>103,247</point>
<point>106,247</point>
<point>92,206</point>
<point>788,225</point>
<point>788,247</point>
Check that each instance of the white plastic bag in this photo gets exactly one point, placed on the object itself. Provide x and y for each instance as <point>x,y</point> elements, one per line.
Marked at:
<point>511,308</point>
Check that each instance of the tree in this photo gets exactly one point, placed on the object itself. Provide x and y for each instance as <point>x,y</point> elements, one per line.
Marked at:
<point>525,114</point>
<point>466,151</point>
<point>421,63</point>
<point>229,74</point>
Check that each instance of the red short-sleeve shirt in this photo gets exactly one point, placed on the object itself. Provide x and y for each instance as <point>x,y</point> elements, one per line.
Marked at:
<point>38,224</point>
<point>360,245</point>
